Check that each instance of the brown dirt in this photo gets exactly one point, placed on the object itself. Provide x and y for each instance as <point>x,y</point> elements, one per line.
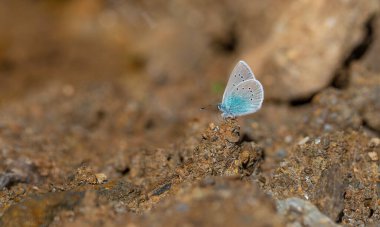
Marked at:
<point>100,120</point>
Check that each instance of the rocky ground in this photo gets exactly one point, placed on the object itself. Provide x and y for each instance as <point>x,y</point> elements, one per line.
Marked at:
<point>100,120</point>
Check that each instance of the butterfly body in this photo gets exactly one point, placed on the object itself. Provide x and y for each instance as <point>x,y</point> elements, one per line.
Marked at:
<point>243,95</point>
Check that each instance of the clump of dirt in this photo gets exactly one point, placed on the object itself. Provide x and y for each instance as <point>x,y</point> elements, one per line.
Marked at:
<point>336,165</point>
<point>226,156</point>
<point>335,172</point>
<point>229,201</point>
<point>39,210</point>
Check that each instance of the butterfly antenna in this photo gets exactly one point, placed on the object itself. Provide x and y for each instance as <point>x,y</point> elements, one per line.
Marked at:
<point>206,107</point>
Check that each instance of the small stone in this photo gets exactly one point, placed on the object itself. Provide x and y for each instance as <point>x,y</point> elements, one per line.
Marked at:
<point>328,127</point>
<point>100,178</point>
<point>303,141</point>
<point>281,153</point>
<point>162,189</point>
<point>288,139</point>
<point>374,142</point>
<point>303,212</point>
<point>120,207</point>
<point>373,156</point>
<point>317,141</point>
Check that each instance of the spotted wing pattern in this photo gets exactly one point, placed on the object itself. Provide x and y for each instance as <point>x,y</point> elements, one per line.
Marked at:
<point>245,99</point>
<point>239,74</point>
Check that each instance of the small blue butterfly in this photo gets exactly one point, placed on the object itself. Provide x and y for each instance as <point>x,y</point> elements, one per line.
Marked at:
<point>243,94</point>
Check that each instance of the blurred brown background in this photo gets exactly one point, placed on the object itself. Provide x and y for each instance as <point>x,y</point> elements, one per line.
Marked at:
<point>185,48</point>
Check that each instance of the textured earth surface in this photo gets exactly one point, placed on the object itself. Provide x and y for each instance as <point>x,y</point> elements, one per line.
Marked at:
<point>100,120</point>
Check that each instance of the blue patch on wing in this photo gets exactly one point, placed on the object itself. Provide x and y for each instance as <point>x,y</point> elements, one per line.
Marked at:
<point>237,105</point>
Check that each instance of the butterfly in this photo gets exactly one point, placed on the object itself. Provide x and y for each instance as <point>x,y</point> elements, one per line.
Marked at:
<point>243,94</point>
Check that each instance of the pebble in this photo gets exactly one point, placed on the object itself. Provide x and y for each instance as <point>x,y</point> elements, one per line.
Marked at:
<point>317,140</point>
<point>374,142</point>
<point>100,178</point>
<point>373,156</point>
<point>288,139</point>
<point>281,153</point>
<point>303,141</point>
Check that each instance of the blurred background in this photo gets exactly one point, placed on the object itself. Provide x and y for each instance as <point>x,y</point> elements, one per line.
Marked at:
<point>173,57</point>
<point>148,67</point>
<point>170,58</point>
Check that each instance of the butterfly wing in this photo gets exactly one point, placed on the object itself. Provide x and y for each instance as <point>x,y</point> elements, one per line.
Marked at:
<point>239,74</point>
<point>246,98</point>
